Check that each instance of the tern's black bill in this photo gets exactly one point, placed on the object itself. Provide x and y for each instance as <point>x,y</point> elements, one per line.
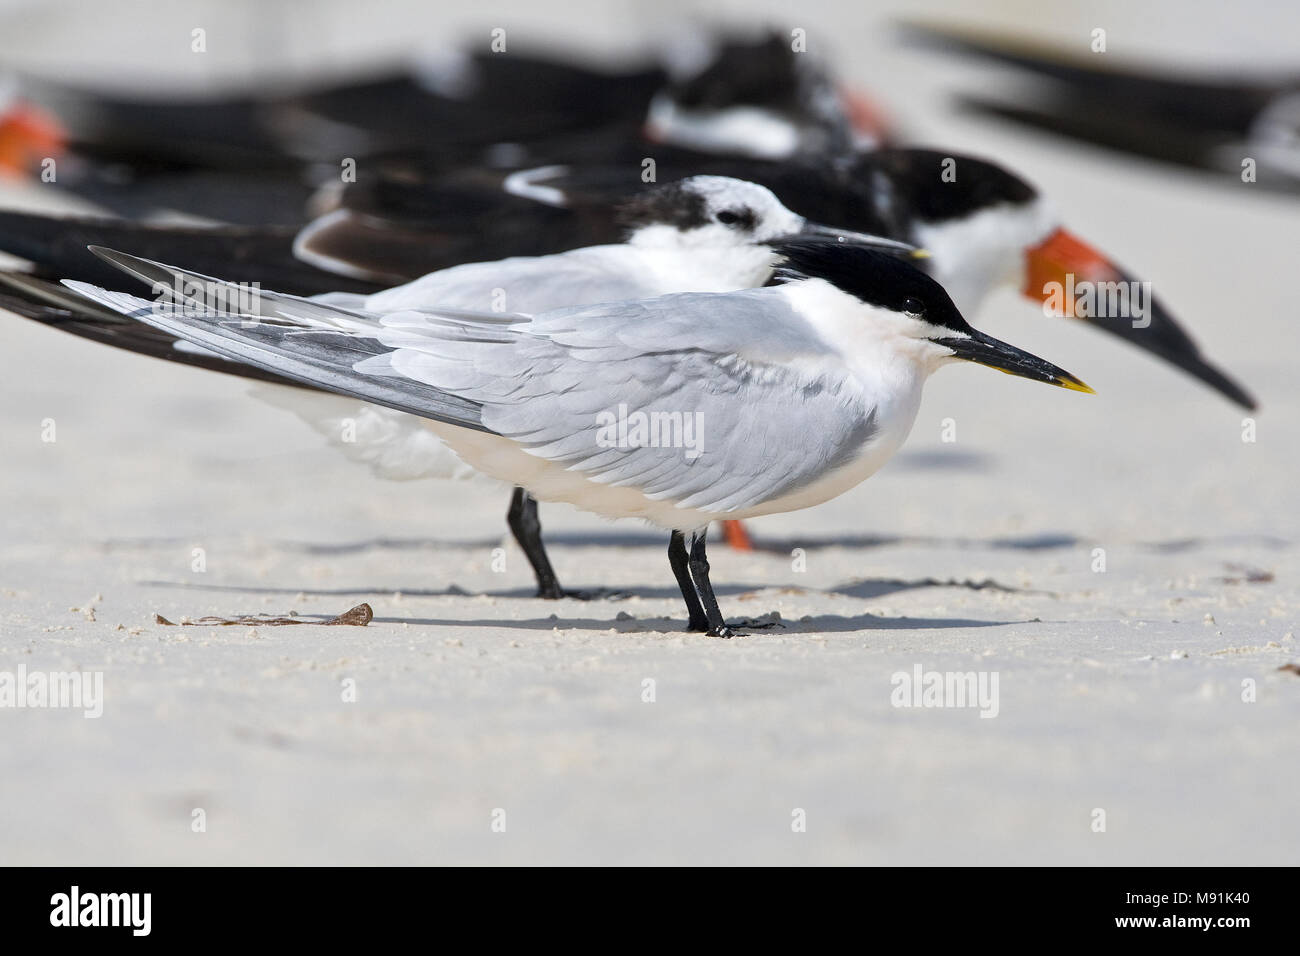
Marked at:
<point>814,230</point>
<point>986,350</point>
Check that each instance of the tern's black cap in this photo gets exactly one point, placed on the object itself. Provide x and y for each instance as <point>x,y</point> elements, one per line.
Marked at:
<point>876,278</point>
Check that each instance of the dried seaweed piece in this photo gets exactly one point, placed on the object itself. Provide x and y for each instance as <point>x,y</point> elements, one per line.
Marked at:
<point>1247,574</point>
<point>359,616</point>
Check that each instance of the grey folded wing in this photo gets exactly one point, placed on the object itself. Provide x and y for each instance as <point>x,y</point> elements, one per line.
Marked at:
<point>741,401</point>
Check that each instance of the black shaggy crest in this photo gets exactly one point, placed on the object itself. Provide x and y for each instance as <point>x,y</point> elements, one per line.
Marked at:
<point>876,278</point>
<point>670,203</point>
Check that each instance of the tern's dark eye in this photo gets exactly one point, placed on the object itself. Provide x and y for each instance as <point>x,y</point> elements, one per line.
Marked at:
<point>913,306</point>
<point>742,218</point>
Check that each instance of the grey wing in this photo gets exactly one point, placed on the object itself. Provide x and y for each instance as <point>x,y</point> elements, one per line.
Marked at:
<point>729,420</point>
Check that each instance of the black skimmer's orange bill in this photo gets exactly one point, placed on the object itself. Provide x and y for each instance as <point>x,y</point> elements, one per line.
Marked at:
<point>1072,279</point>
<point>29,135</point>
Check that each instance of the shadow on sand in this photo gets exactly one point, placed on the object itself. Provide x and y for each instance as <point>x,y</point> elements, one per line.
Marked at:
<point>671,627</point>
<point>865,589</point>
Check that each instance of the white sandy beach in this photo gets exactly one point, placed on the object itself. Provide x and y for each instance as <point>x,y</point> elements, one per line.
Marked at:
<point>1119,690</point>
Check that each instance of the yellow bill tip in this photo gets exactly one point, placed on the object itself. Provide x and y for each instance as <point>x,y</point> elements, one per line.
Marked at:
<point>1074,385</point>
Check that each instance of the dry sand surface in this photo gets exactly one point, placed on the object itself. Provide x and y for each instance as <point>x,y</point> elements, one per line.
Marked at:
<point>1119,690</point>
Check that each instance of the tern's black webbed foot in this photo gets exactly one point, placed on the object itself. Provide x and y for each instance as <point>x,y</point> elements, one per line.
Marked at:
<point>702,627</point>
<point>557,593</point>
<point>758,623</point>
<point>691,569</point>
<point>550,591</point>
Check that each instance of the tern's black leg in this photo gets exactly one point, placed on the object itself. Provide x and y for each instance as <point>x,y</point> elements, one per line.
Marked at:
<point>527,529</point>
<point>679,560</point>
<point>699,565</point>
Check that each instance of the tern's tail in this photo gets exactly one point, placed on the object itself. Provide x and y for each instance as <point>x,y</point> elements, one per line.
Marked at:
<point>316,343</point>
<point>393,445</point>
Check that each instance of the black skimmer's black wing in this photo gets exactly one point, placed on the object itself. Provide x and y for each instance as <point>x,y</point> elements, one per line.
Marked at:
<point>52,305</point>
<point>221,196</point>
<point>255,159</point>
<point>502,98</point>
<point>56,246</point>
<point>1210,123</point>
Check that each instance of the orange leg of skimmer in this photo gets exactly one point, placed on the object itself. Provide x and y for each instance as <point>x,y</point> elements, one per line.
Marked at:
<point>737,536</point>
